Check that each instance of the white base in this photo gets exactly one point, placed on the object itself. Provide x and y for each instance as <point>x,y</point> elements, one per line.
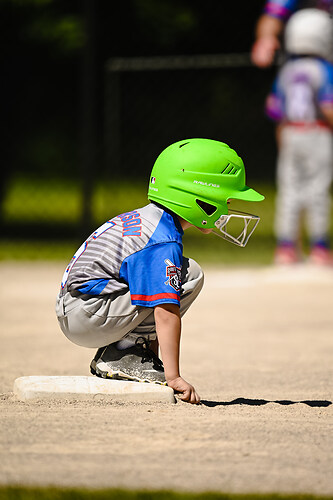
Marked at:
<point>89,388</point>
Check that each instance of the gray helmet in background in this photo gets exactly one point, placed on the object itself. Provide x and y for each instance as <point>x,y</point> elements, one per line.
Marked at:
<point>310,32</point>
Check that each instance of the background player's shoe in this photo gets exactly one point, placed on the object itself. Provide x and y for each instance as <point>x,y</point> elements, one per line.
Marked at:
<point>321,256</point>
<point>286,255</point>
<point>137,363</point>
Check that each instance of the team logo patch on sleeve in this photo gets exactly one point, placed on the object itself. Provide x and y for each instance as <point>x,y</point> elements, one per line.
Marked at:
<point>173,274</point>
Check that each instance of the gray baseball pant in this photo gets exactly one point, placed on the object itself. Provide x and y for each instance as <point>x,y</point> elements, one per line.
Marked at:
<point>304,176</point>
<point>97,321</point>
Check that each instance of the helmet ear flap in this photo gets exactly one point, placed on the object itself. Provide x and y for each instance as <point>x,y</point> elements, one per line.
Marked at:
<point>206,207</point>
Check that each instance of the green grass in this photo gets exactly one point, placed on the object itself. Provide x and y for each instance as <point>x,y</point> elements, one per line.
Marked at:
<point>25,249</point>
<point>46,214</point>
<point>22,493</point>
<point>205,249</point>
<point>58,201</point>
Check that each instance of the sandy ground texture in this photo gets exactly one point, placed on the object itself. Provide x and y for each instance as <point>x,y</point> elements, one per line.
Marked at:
<point>257,345</point>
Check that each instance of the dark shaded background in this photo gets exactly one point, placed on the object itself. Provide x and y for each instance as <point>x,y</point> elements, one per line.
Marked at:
<point>54,86</point>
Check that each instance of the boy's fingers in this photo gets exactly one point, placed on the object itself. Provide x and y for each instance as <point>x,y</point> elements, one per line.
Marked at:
<point>195,398</point>
<point>186,395</point>
<point>186,391</point>
<point>191,396</point>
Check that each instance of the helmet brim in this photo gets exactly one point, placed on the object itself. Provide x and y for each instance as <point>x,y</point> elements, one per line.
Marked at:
<point>247,194</point>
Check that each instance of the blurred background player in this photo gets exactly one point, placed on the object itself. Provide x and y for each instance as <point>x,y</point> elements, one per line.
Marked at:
<point>271,23</point>
<point>301,102</point>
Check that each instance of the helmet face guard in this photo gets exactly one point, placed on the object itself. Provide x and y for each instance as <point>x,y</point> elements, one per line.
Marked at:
<point>196,178</point>
<point>241,238</point>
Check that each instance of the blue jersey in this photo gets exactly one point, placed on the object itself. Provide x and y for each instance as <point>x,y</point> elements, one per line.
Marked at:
<point>282,9</point>
<point>302,86</point>
<point>140,251</point>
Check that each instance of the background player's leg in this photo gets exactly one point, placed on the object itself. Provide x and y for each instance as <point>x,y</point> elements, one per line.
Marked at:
<point>319,168</point>
<point>288,200</point>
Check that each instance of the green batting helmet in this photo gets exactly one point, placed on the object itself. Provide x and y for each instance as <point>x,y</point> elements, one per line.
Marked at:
<point>195,178</point>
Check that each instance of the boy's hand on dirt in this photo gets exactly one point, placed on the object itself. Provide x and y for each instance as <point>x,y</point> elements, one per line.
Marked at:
<point>187,391</point>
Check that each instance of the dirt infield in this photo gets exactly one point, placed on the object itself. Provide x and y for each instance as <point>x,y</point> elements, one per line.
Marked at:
<point>258,347</point>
